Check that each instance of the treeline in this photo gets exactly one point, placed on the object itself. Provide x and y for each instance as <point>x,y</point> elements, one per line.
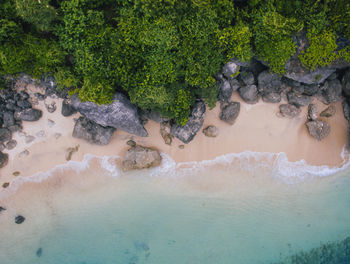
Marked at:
<point>162,53</point>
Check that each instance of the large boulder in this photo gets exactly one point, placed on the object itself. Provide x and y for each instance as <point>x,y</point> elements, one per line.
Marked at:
<point>230,69</point>
<point>67,108</point>
<point>187,132</point>
<point>230,112</point>
<point>249,94</point>
<point>224,90</point>
<point>312,112</point>
<point>247,78</point>
<point>139,157</point>
<point>346,83</point>
<point>289,110</point>
<point>299,99</point>
<point>318,129</point>
<point>153,115</point>
<point>8,119</point>
<point>92,132</point>
<point>273,97</point>
<point>269,82</point>
<point>330,92</point>
<point>121,113</point>
<point>4,158</point>
<point>28,114</point>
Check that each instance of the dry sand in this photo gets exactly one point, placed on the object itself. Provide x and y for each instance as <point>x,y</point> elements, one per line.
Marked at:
<point>257,128</point>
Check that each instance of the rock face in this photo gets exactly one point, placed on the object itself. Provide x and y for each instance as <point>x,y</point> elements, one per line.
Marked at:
<point>318,129</point>
<point>119,114</point>
<point>211,131</point>
<point>155,116</point>
<point>4,158</point>
<point>330,92</point>
<point>329,111</point>
<point>230,112</point>
<point>92,132</point>
<point>249,94</point>
<point>194,124</point>
<point>312,112</point>
<point>28,114</point>
<point>289,110</point>
<point>139,157</point>
<point>67,108</point>
<point>299,99</point>
<point>346,83</point>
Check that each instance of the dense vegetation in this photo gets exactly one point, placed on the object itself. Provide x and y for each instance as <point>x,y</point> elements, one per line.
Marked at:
<point>164,54</point>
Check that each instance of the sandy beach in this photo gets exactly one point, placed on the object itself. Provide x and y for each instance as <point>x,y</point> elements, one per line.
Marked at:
<point>258,128</point>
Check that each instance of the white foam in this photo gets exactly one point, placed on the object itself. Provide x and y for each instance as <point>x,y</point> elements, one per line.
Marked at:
<point>112,168</point>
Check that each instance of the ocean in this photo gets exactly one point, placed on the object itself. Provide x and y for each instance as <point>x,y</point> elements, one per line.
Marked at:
<point>239,208</point>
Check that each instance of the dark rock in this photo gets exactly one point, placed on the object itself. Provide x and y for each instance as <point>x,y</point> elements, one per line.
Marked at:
<point>165,129</point>
<point>234,84</point>
<point>346,83</point>
<point>16,173</point>
<point>11,144</point>
<point>187,132</point>
<point>8,119</point>
<point>67,108</point>
<point>16,127</point>
<point>19,219</point>
<point>330,92</point>
<point>311,89</point>
<point>5,185</point>
<point>12,106</point>
<point>249,94</point>
<point>23,104</point>
<point>71,151</point>
<point>230,69</point>
<point>273,97</point>
<point>289,110</point>
<point>318,129</point>
<point>329,111</point>
<point>119,114</point>
<point>333,76</point>
<point>131,143</point>
<point>155,116</point>
<point>211,131</point>
<point>269,82</point>
<point>2,147</point>
<point>298,99</point>
<point>141,157</point>
<point>23,95</point>
<point>28,114</point>
<point>2,209</point>
<point>39,252</point>
<point>26,78</point>
<point>51,107</point>
<point>224,90</point>
<point>312,112</point>
<point>40,96</point>
<point>92,132</point>
<point>230,112</point>
<point>5,135</point>
<point>247,77</point>
<point>346,109</point>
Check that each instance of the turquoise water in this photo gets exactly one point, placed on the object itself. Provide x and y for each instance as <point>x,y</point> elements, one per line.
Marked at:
<point>242,211</point>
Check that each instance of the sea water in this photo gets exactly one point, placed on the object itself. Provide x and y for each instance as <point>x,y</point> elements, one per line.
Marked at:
<point>239,208</point>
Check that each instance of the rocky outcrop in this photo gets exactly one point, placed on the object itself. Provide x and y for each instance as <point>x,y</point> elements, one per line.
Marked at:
<point>330,92</point>
<point>4,158</point>
<point>289,110</point>
<point>67,108</point>
<point>187,132</point>
<point>318,129</point>
<point>92,132</point>
<point>249,94</point>
<point>165,128</point>
<point>346,83</point>
<point>119,114</point>
<point>312,112</point>
<point>28,114</point>
<point>230,112</point>
<point>329,111</point>
<point>299,99</point>
<point>211,131</point>
<point>139,157</point>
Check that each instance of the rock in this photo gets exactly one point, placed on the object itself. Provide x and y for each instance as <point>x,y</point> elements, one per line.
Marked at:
<point>230,112</point>
<point>92,132</point>
<point>2,147</point>
<point>131,143</point>
<point>119,114</point>
<point>2,209</point>
<point>29,139</point>
<point>19,219</point>
<point>5,185</point>
<point>318,129</point>
<point>4,158</point>
<point>333,76</point>
<point>249,94</point>
<point>139,157</point>
<point>67,108</point>
<point>15,128</point>
<point>40,96</point>
<point>8,119</point>
<point>330,92</point>
<point>311,89</point>
<point>71,151</point>
<point>224,90</point>
<point>247,77</point>
<point>155,116</point>
<point>23,95</point>
<point>346,83</point>
<point>289,110</point>
<point>12,107</point>
<point>165,128</point>
<point>298,99</point>
<point>181,146</point>
<point>11,144</point>
<point>39,252</point>
<point>187,132</point>
<point>234,84</point>
<point>312,112</point>
<point>329,111</point>
<point>5,135</point>
<point>230,69</point>
<point>51,107</point>
<point>50,123</point>
<point>28,114</point>
<point>24,153</point>
<point>211,131</point>
<point>269,82</point>
<point>23,104</point>
<point>271,97</point>
<point>16,173</point>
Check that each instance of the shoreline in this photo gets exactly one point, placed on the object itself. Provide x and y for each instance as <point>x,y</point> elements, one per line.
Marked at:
<point>258,128</point>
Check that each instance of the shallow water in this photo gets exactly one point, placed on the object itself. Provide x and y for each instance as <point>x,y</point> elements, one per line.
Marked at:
<point>248,208</point>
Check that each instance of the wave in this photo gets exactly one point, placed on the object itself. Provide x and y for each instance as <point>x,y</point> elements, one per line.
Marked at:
<point>276,163</point>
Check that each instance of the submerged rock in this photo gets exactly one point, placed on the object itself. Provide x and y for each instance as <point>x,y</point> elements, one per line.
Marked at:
<point>187,132</point>
<point>4,158</point>
<point>289,110</point>
<point>230,112</point>
<point>312,112</point>
<point>39,252</point>
<point>139,157</point>
<point>29,114</point>
<point>92,132</point>
<point>329,111</point>
<point>211,131</point>
<point>318,129</point>
<point>19,219</point>
<point>119,114</point>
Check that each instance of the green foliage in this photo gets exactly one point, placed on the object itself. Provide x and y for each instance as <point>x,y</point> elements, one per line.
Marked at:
<point>97,92</point>
<point>65,78</point>
<point>182,106</point>
<point>338,13</point>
